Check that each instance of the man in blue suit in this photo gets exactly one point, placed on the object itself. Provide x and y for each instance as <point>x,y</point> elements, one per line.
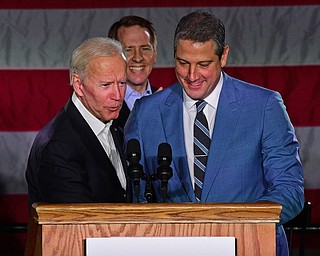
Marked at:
<point>253,155</point>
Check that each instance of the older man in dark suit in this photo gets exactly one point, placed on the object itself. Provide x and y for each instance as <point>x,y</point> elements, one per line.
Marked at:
<point>77,157</point>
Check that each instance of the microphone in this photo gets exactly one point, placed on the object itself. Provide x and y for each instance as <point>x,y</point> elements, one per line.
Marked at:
<point>164,171</point>
<point>135,168</point>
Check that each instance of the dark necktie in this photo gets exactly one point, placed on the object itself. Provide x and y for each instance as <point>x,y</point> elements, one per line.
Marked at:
<point>201,148</point>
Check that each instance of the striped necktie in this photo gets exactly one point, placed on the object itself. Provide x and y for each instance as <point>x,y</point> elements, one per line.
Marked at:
<point>201,147</point>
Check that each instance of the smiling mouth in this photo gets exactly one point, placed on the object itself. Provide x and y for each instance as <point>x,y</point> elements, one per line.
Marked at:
<point>194,84</point>
<point>136,68</point>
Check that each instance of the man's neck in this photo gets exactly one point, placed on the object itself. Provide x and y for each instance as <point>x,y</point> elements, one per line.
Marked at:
<point>138,88</point>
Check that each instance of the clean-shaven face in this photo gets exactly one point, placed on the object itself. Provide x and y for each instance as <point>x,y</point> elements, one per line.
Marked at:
<point>141,55</point>
<point>103,90</point>
<point>198,67</point>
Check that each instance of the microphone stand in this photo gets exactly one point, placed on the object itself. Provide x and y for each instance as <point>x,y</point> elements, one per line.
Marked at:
<point>148,190</point>
<point>164,173</point>
<point>135,171</point>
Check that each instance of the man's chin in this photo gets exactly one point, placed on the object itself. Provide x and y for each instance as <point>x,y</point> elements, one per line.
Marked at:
<point>138,81</point>
<point>116,115</point>
<point>111,116</point>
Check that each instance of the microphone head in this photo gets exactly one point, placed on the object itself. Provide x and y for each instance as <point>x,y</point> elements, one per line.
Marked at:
<point>164,153</point>
<point>133,151</point>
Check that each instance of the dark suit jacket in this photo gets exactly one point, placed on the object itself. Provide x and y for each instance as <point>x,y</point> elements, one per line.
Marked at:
<point>125,111</point>
<point>67,163</point>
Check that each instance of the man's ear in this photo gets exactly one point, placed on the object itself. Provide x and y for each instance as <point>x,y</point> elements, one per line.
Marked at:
<point>77,84</point>
<point>155,55</point>
<point>224,56</point>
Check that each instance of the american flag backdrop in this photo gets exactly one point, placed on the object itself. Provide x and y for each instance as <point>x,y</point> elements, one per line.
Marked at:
<point>275,44</point>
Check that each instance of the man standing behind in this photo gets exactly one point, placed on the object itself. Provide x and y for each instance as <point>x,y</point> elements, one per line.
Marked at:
<point>231,141</point>
<point>139,38</point>
<point>77,157</point>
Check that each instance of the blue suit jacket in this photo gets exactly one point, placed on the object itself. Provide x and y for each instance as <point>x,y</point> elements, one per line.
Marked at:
<point>253,153</point>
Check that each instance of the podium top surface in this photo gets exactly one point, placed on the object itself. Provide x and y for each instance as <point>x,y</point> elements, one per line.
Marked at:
<point>156,213</point>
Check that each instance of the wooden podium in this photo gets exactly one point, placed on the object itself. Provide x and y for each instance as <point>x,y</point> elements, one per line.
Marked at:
<point>61,229</point>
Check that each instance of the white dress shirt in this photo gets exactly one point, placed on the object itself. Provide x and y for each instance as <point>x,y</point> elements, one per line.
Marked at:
<point>131,95</point>
<point>189,115</point>
<point>103,133</point>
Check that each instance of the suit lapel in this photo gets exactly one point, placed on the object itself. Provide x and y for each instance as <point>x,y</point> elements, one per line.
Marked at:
<point>123,115</point>
<point>228,112</point>
<point>117,135</point>
<point>172,116</point>
<point>118,141</point>
<point>88,137</point>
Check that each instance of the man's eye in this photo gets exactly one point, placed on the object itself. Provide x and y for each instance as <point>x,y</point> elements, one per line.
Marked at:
<point>204,64</point>
<point>181,63</point>
<point>122,84</point>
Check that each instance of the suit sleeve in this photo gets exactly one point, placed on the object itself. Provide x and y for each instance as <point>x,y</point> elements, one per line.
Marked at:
<point>281,162</point>
<point>61,175</point>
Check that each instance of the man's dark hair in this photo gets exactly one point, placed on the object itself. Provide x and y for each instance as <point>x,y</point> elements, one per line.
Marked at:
<point>132,20</point>
<point>201,26</point>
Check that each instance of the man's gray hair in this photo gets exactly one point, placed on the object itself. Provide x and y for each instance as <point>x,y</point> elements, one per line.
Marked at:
<point>90,49</point>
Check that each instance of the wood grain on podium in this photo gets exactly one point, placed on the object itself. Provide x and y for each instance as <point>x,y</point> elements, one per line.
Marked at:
<point>61,229</point>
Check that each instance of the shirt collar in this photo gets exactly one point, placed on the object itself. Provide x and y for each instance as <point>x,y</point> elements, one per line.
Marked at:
<point>212,99</point>
<point>95,124</point>
<point>132,93</point>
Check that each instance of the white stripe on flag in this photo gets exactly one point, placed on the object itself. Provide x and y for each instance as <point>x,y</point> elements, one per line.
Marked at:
<point>266,35</point>
<point>14,148</point>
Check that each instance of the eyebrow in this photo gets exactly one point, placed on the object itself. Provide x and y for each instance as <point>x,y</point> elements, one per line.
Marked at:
<point>202,61</point>
<point>143,45</point>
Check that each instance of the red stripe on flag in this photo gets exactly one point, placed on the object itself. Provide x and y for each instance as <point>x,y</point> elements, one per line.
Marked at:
<point>30,98</point>
<point>78,4</point>
<point>298,85</point>
<point>14,209</point>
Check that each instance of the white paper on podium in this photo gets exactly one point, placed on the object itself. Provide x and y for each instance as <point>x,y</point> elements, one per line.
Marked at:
<point>161,246</point>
